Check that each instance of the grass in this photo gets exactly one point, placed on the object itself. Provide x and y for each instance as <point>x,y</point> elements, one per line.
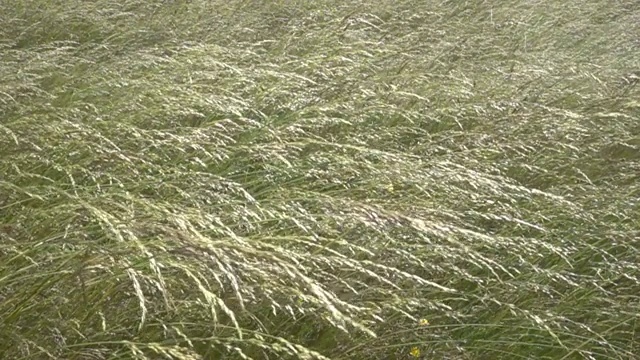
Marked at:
<point>317,179</point>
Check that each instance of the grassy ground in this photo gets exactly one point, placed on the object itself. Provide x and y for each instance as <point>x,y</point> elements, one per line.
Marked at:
<point>319,179</point>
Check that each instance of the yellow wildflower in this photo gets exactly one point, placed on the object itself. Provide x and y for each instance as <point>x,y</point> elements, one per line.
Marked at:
<point>424,322</point>
<point>415,352</point>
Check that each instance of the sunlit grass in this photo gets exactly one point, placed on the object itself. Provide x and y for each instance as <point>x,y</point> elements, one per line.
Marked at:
<point>319,180</point>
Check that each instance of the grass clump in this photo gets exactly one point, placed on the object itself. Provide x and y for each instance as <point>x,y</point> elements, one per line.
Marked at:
<point>319,180</point>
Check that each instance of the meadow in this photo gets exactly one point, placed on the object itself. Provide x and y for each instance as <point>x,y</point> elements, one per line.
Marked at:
<point>320,179</point>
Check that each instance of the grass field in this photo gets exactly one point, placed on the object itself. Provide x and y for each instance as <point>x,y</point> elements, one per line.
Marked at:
<point>319,179</point>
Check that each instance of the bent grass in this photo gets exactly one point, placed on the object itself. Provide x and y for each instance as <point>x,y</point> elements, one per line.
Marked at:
<point>314,180</point>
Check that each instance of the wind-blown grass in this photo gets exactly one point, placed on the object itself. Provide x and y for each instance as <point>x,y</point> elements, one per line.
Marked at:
<point>309,180</point>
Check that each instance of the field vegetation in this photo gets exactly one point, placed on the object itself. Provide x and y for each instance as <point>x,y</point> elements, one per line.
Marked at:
<point>319,179</point>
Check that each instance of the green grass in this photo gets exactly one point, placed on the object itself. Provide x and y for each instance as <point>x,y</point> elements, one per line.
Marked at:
<point>309,179</point>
